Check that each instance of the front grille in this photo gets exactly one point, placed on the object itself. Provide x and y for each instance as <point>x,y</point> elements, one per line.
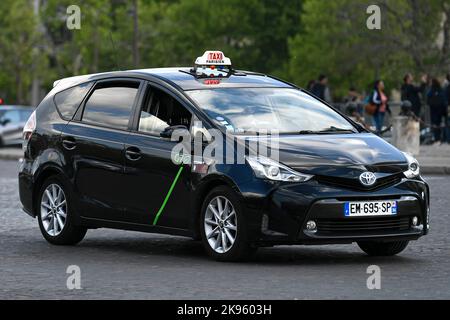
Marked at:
<point>355,225</point>
<point>355,184</point>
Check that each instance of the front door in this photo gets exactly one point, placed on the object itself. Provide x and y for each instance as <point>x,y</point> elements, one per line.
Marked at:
<point>159,188</point>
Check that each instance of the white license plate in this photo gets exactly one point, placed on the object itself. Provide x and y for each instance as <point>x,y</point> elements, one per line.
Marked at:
<point>370,208</point>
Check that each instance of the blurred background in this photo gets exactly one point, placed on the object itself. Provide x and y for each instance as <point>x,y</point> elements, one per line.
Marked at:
<point>293,39</point>
<point>297,40</point>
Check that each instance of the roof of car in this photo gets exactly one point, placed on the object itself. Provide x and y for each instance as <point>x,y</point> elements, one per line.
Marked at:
<point>184,79</point>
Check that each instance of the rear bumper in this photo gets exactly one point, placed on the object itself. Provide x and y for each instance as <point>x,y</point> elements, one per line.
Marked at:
<point>284,212</point>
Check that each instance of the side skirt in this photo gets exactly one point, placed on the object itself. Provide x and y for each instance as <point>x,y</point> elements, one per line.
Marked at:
<point>120,225</point>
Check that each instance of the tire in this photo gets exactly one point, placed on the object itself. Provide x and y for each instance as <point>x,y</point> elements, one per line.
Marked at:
<point>238,250</point>
<point>379,249</point>
<point>69,233</point>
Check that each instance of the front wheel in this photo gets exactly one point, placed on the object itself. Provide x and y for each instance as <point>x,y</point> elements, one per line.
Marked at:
<point>383,248</point>
<point>56,214</point>
<point>223,226</point>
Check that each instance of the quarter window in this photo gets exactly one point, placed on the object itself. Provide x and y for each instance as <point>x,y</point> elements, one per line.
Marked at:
<point>111,105</point>
<point>69,100</point>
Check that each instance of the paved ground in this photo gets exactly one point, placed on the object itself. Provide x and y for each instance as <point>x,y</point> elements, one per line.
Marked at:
<point>127,265</point>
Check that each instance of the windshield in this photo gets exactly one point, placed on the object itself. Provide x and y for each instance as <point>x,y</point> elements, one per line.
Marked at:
<point>251,110</point>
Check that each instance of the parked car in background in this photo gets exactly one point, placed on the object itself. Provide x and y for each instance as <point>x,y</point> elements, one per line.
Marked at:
<point>12,121</point>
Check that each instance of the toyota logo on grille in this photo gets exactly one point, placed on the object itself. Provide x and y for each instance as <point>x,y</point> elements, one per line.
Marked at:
<point>367,179</point>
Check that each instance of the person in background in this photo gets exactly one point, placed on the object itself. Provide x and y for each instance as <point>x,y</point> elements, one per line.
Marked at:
<point>354,100</point>
<point>321,90</point>
<point>446,81</point>
<point>425,86</point>
<point>380,99</point>
<point>438,108</point>
<point>410,93</point>
<point>352,96</point>
<point>310,85</point>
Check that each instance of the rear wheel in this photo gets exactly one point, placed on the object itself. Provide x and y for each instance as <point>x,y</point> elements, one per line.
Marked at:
<point>383,248</point>
<point>55,213</point>
<point>223,226</point>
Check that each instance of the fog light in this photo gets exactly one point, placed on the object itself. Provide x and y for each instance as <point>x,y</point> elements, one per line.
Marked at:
<point>415,221</point>
<point>311,225</point>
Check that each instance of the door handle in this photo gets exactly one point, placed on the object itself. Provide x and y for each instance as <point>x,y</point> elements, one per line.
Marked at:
<point>133,154</point>
<point>69,144</point>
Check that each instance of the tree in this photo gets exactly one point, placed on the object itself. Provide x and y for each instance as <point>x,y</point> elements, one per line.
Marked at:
<point>253,33</point>
<point>335,40</point>
<point>18,37</point>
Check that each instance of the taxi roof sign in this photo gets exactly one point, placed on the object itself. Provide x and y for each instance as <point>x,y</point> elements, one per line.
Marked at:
<point>213,58</point>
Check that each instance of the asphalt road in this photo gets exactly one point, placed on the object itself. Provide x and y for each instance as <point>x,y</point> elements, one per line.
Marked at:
<point>128,265</point>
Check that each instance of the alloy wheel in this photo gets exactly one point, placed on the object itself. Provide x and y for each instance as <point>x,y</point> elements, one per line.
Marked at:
<point>220,224</point>
<point>53,210</point>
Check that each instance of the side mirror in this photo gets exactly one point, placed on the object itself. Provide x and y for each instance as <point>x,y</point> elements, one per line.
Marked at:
<point>5,122</point>
<point>167,132</point>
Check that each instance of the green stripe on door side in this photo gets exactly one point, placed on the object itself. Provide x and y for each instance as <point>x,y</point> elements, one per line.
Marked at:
<point>168,195</point>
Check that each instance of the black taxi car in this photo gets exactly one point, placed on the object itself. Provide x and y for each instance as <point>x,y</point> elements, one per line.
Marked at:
<point>98,152</point>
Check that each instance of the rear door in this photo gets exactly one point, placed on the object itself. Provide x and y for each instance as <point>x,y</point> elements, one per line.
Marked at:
<point>94,142</point>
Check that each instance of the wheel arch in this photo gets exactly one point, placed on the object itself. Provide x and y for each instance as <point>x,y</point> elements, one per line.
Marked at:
<point>202,191</point>
<point>44,174</point>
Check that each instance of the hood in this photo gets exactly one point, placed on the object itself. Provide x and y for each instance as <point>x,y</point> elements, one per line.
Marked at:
<point>345,155</point>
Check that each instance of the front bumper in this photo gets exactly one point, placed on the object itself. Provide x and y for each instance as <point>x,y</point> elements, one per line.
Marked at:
<point>283,212</point>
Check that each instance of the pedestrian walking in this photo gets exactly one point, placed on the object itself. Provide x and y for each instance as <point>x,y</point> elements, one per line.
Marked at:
<point>411,93</point>
<point>380,100</point>
<point>321,90</point>
<point>437,101</point>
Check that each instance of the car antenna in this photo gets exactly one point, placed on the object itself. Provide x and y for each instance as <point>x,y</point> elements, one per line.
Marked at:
<point>116,60</point>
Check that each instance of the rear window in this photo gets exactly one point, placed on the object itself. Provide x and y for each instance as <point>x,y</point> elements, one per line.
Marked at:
<point>111,106</point>
<point>69,100</point>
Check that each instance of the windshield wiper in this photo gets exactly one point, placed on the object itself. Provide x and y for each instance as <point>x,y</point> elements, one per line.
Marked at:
<point>327,130</point>
<point>335,129</point>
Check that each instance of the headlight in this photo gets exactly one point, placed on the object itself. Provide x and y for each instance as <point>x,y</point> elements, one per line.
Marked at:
<point>266,168</point>
<point>413,167</point>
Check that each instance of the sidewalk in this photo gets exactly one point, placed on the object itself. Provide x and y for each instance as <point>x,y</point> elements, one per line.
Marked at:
<point>432,159</point>
<point>435,159</point>
<point>10,153</point>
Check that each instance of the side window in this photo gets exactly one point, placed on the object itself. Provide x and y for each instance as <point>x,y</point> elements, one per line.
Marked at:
<point>69,100</point>
<point>160,110</point>
<point>110,104</point>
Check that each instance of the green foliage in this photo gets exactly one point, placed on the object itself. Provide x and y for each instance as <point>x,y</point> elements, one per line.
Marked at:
<point>253,33</point>
<point>18,36</point>
<point>293,39</point>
